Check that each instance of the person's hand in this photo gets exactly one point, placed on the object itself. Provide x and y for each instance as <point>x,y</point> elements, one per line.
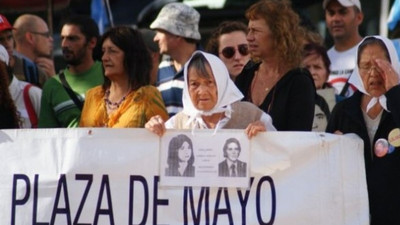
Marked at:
<point>338,132</point>
<point>255,127</point>
<point>389,75</point>
<point>46,65</point>
<point>156,125</point>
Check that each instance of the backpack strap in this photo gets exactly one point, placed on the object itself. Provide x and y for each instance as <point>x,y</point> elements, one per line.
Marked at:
<point>31,72</point>
<point>71,93</point>
<point>29,107</point>
<point>345,88</point>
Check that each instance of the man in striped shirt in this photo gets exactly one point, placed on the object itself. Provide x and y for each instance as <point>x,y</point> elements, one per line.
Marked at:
<point>177,35</point>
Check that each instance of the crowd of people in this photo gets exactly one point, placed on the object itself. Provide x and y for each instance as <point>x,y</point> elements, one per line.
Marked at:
<point>272,74</point>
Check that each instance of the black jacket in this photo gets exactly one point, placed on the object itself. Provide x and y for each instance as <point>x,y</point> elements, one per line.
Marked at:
<point>290,103</point>
<point>224,171</point>
<point>383,174</point>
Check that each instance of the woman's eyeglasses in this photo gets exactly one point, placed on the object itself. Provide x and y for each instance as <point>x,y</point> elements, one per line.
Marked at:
<point>229,52</point>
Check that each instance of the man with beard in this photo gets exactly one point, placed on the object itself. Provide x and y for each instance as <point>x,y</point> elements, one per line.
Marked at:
<point>63,94</point>
<point>34,41</point>
<point>343,17</point>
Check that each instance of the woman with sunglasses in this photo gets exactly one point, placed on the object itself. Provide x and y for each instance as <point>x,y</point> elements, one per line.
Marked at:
<point>228,42</point>
<point>274,81</point>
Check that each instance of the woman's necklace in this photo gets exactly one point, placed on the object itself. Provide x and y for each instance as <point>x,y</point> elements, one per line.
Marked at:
<point>260,88</point>
<point>262,82</point>
<point>113,105</point>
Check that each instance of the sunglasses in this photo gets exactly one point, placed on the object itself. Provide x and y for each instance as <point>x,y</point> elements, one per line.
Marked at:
<point>229,52</point>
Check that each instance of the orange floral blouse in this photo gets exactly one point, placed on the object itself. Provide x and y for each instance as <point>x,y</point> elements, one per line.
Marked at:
<point>137,108</point>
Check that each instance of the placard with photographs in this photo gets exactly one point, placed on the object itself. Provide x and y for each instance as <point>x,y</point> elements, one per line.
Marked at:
<point>204,159</point>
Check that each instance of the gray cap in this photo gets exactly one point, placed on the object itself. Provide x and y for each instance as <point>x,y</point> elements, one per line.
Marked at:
<point>179,19</point>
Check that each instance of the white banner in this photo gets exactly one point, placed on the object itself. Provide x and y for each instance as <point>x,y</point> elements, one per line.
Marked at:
<point>112,176</point>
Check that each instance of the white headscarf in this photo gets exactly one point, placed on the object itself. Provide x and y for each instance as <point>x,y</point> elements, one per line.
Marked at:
<point>356,80</point>
<point>4,55</point>
<point>228,93</point>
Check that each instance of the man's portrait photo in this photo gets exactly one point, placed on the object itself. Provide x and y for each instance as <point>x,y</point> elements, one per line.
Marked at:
<point>232,166</point>
<point>180,157</point>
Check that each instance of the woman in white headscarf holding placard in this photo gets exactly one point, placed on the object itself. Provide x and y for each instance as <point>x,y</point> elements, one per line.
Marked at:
<point>212,101</point>
<point>373,113</point>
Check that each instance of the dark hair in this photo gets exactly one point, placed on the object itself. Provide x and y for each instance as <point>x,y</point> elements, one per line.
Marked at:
<point>227,142</point>
<point>137,60</point>
<point>199,62</point>
<point>89,29</point>
<point>372,41</point>
<point>173,148</point>
<point>8,112</point>
<point>286,31</point>
<point>86,25</point>
<point>225,27</point>
<point>191,40</point>
<point>314,48</point>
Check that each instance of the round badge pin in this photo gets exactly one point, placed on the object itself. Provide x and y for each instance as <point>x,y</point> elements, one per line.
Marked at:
<point>394,137</point>
<point>381,147</point>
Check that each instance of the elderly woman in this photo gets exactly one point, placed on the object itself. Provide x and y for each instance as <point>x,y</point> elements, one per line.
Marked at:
<point>372,113</point>
<point>228,42</point>
<point>275,82</point>
<point>125,99</point>
<point>316,61</point>
<point>212,101</point>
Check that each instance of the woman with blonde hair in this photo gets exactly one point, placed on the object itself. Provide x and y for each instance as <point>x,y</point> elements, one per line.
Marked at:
<point>273,80</point>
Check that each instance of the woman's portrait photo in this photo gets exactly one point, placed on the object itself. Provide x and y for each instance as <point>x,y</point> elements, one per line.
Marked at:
<point>232,166</point>
<point>180,157</point>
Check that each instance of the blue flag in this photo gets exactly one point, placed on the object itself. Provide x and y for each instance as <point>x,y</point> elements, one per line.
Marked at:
<point>394,15</point>
<point>99,14</point>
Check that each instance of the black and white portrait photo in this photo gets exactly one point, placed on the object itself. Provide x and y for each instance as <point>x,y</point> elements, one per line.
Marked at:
<point>180,157</point>
<point>232,166</point>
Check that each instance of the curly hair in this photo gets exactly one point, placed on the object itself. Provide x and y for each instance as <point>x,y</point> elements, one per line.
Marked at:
<point>225,27</point>
<point>137,60</point>
<point>8,112</point>
<point>284,24</point>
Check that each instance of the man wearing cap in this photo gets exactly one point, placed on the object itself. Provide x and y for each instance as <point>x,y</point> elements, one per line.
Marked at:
<point>343,17</point>
<point>22,67</point>
<point>34,40</point>
<point>177,35</point>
